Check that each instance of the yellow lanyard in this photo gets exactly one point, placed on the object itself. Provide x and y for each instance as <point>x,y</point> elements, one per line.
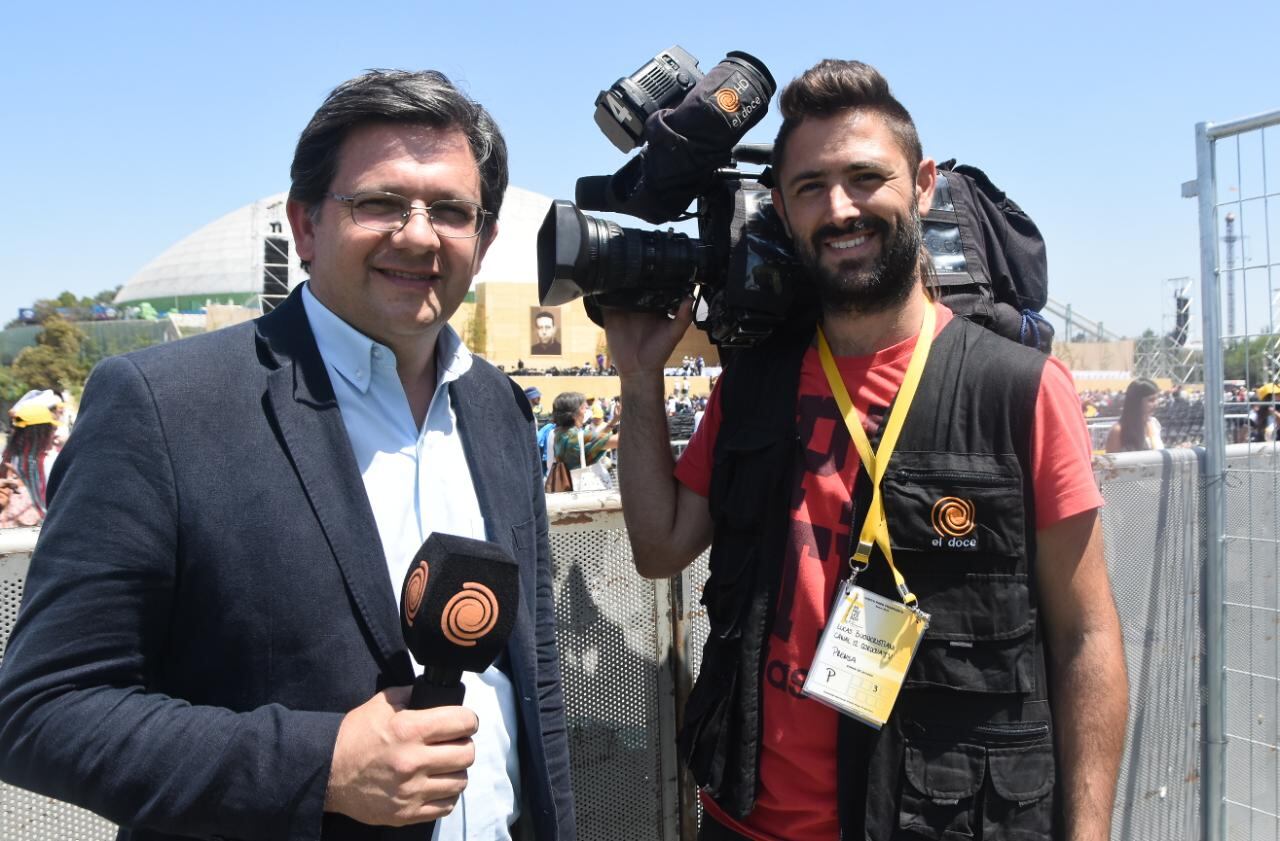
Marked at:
<point>875,529</point>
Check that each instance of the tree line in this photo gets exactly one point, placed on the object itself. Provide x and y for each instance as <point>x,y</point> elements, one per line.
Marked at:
<point>62,355</point>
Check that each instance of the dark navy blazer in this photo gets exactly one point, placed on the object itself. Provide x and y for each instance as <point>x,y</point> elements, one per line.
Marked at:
<point>208,595</point>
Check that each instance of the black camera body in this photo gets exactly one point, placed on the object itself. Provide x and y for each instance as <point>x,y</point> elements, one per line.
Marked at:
<point>741,264</point>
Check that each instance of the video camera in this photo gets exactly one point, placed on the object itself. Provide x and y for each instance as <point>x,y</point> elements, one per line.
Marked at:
<point>688,126</point>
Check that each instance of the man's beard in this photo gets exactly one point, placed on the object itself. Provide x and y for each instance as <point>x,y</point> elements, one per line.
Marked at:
<point>855,288</point>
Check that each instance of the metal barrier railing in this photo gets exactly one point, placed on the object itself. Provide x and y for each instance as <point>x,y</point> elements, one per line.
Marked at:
<point>629,647</point>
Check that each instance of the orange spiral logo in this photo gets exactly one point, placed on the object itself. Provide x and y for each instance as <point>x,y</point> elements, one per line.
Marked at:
<point>953,516</point>
<point>727,99</point>
<point>413,590</point>
<point>469,615</point>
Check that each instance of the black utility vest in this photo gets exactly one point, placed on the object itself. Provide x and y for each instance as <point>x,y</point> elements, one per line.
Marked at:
<point>968,750</point>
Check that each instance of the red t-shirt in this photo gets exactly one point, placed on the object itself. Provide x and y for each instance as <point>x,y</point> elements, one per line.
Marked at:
<point>797,794</point>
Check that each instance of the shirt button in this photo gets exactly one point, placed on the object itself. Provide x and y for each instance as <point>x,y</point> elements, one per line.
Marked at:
<point>359,375</point>
<point>377,353</point>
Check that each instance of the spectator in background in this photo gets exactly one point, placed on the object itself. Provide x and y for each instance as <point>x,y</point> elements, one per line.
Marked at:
<point>571,439</point>
<point>535,401</point>
<point>1262,426</point>
<point>28,457</point>
<point>1137,428</point>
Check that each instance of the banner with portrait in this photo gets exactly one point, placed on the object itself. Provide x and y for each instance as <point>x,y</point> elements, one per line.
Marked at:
<point>544,331</point>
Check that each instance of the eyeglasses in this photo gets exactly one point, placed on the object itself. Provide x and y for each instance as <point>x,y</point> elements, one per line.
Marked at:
<point>389,212</point>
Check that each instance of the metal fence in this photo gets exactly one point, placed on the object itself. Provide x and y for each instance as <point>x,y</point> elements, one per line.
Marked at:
<point>1238,188</point>
<point>629,649</point>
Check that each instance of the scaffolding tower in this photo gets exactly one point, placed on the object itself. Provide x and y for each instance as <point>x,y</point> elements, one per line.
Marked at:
<point>1171,354</point>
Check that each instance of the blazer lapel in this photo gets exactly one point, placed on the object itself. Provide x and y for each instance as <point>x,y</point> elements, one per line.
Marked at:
<point>301,396</point>
<point>481,423</point>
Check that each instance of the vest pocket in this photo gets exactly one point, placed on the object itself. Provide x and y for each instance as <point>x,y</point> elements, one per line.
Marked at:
<point>939,800</point>
<point>992,784</point>
<point>1018,805</point>
<point>981,635</point>
<point>960,509</point>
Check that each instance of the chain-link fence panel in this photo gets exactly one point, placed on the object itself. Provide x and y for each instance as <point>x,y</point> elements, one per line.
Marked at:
<point>1238,188</point>
<point>1251,611</point>
<point>1153,531</point>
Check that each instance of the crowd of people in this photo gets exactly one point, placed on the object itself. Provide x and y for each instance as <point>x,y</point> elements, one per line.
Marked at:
<point>1147,417</point>
<point>579,426</point>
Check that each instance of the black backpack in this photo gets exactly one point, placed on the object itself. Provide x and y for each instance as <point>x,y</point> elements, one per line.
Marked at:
<point>988,255</point>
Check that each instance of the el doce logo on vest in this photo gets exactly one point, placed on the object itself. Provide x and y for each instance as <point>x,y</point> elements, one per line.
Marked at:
<point>954,521</point>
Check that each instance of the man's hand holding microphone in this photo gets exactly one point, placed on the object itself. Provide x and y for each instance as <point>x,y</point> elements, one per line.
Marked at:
<point>402,757</point>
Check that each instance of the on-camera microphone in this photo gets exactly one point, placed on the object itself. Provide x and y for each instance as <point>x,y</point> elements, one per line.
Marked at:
<point>457,607</point>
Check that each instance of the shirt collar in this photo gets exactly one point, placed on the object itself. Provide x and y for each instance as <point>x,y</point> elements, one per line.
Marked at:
<point>353,354</point>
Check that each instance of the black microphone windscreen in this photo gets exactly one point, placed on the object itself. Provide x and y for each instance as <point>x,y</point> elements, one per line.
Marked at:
<point>459,603</point>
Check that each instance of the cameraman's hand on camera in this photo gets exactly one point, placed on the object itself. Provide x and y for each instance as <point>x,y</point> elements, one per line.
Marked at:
<point>642,342</point>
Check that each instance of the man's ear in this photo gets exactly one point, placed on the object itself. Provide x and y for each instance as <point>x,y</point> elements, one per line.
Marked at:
<point>776,195</point>
<point>487,236</point>
<point>926,182</point>
<point>304,229</point>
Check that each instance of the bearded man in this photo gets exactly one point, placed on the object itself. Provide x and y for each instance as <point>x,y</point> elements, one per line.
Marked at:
<point>912,629</point>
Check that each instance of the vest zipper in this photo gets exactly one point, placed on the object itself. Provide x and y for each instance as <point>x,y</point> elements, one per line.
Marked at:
<point>1012,734</point>
<point>993,480</point>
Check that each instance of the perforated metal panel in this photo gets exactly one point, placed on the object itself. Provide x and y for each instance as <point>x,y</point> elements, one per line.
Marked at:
<point>25,816</point>
<point>614,634</point>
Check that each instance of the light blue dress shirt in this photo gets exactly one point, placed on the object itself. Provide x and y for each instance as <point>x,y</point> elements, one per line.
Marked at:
<point>418,482</point>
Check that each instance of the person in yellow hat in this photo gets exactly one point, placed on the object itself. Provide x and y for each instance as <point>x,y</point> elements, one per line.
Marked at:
<point>28,457</point>
<point>1262,417</point>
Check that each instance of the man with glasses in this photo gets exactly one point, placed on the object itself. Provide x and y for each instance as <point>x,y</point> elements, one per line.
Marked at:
<point>210,643</point>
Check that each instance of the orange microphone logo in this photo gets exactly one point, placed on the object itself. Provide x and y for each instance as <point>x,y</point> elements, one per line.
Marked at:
<point>953,517</point>
<point>413,590</point>
<point>728,100</point>
<point>469,615</point>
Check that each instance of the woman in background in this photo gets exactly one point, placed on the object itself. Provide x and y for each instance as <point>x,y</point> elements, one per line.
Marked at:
<point>570,413</point>
<point>1137,428</point>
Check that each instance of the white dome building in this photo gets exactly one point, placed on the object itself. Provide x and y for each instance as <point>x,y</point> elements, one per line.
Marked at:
<point>233,260</point>
<point>248,256</point>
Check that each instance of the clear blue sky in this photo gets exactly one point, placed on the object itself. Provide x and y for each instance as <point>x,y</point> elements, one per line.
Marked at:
<point>127,126</point>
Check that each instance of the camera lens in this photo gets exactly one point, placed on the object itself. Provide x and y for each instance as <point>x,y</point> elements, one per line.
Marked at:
<point>583,255</point>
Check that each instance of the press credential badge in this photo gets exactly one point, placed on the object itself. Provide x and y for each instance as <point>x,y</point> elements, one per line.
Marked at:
<point>864,654</point>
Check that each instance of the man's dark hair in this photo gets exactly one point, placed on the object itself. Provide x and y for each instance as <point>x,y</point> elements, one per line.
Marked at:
<point>425,98</point>
<point>834,85</point>
<point>545,314</point>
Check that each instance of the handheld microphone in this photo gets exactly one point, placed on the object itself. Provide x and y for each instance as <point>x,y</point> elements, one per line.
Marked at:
<point>457,607</point>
